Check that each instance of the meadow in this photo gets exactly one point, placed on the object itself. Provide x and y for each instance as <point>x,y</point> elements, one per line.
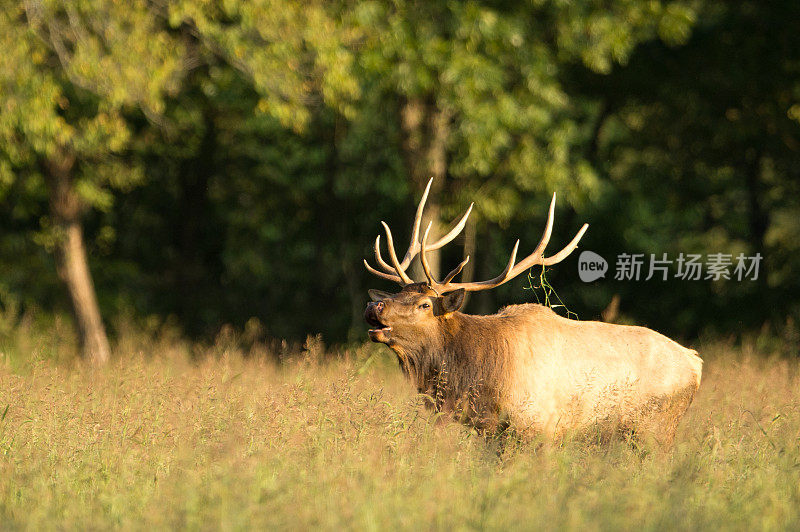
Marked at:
<point>238,435</point>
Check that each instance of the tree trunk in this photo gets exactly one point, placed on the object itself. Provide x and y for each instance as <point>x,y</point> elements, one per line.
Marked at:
<point>470,244</point>
<point>484,299</point>
<point>426,129</point>
<point>70,255</point>
<point>439,131</point>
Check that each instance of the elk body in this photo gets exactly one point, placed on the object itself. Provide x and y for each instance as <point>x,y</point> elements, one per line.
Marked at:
<point>526,367</point>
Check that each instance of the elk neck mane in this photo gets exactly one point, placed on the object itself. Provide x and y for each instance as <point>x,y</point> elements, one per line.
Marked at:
<point>470,352</point>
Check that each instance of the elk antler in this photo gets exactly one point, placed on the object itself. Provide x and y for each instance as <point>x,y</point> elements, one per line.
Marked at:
<point>511,270</point>
<point>413,248</point>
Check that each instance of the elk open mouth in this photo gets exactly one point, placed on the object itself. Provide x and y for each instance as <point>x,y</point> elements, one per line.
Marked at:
<point>377,324</point>
<point>380,331</point>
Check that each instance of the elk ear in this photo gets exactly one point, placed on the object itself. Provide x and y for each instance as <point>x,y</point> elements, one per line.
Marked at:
<point>452,301</point>
<point>377,295</point>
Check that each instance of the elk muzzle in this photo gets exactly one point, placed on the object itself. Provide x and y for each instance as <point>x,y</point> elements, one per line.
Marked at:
<point>380,332</point>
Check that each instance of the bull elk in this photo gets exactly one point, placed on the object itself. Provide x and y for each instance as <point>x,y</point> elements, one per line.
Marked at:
<point>525,367</point>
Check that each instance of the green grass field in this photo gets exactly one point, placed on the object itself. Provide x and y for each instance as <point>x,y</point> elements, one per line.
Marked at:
<point>176,436</point>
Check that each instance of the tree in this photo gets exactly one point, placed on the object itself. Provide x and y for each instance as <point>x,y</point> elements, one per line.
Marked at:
<point>76,75</point>
<point>701,141</point>
<point>67,74</point>
<point>218,161</point>
<point>483,104</point>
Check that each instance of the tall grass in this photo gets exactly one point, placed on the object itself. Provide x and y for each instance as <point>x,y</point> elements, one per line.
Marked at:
<point>180,436</point>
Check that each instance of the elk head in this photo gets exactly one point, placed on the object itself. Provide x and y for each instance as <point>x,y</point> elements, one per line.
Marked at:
<point>415,317</point>
<point>410,315</point>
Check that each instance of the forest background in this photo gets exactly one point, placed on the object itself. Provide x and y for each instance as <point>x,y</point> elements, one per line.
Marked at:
<point>215,166</point>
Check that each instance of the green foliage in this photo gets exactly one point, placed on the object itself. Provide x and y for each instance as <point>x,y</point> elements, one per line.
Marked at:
<point>234,158</point>
<point>699,146</point>
<point>291,52</point>
<point>70,70</point>
<point>496,70</point>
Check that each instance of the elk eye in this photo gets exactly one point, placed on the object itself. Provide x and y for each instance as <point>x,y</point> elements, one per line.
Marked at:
<point>425,305</point>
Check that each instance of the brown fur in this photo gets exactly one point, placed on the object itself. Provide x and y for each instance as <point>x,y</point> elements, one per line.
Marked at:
<point>533,369</point>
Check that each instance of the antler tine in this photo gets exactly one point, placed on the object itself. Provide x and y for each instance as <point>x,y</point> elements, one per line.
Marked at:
<point>424,258</point>
<point>548,228</point>
<point>381,274</point>
<point>413,247</point>
<point>456,271</point>
<point>504,276</point>
<point>532,259</point>
<point>454,232</point>
<point>536,257</point>
<point>393,256</point>
<point>379,259</point>
<point>569,248</point>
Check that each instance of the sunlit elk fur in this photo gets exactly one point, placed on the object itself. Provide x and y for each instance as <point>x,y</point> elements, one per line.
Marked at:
<point>526,367</point>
